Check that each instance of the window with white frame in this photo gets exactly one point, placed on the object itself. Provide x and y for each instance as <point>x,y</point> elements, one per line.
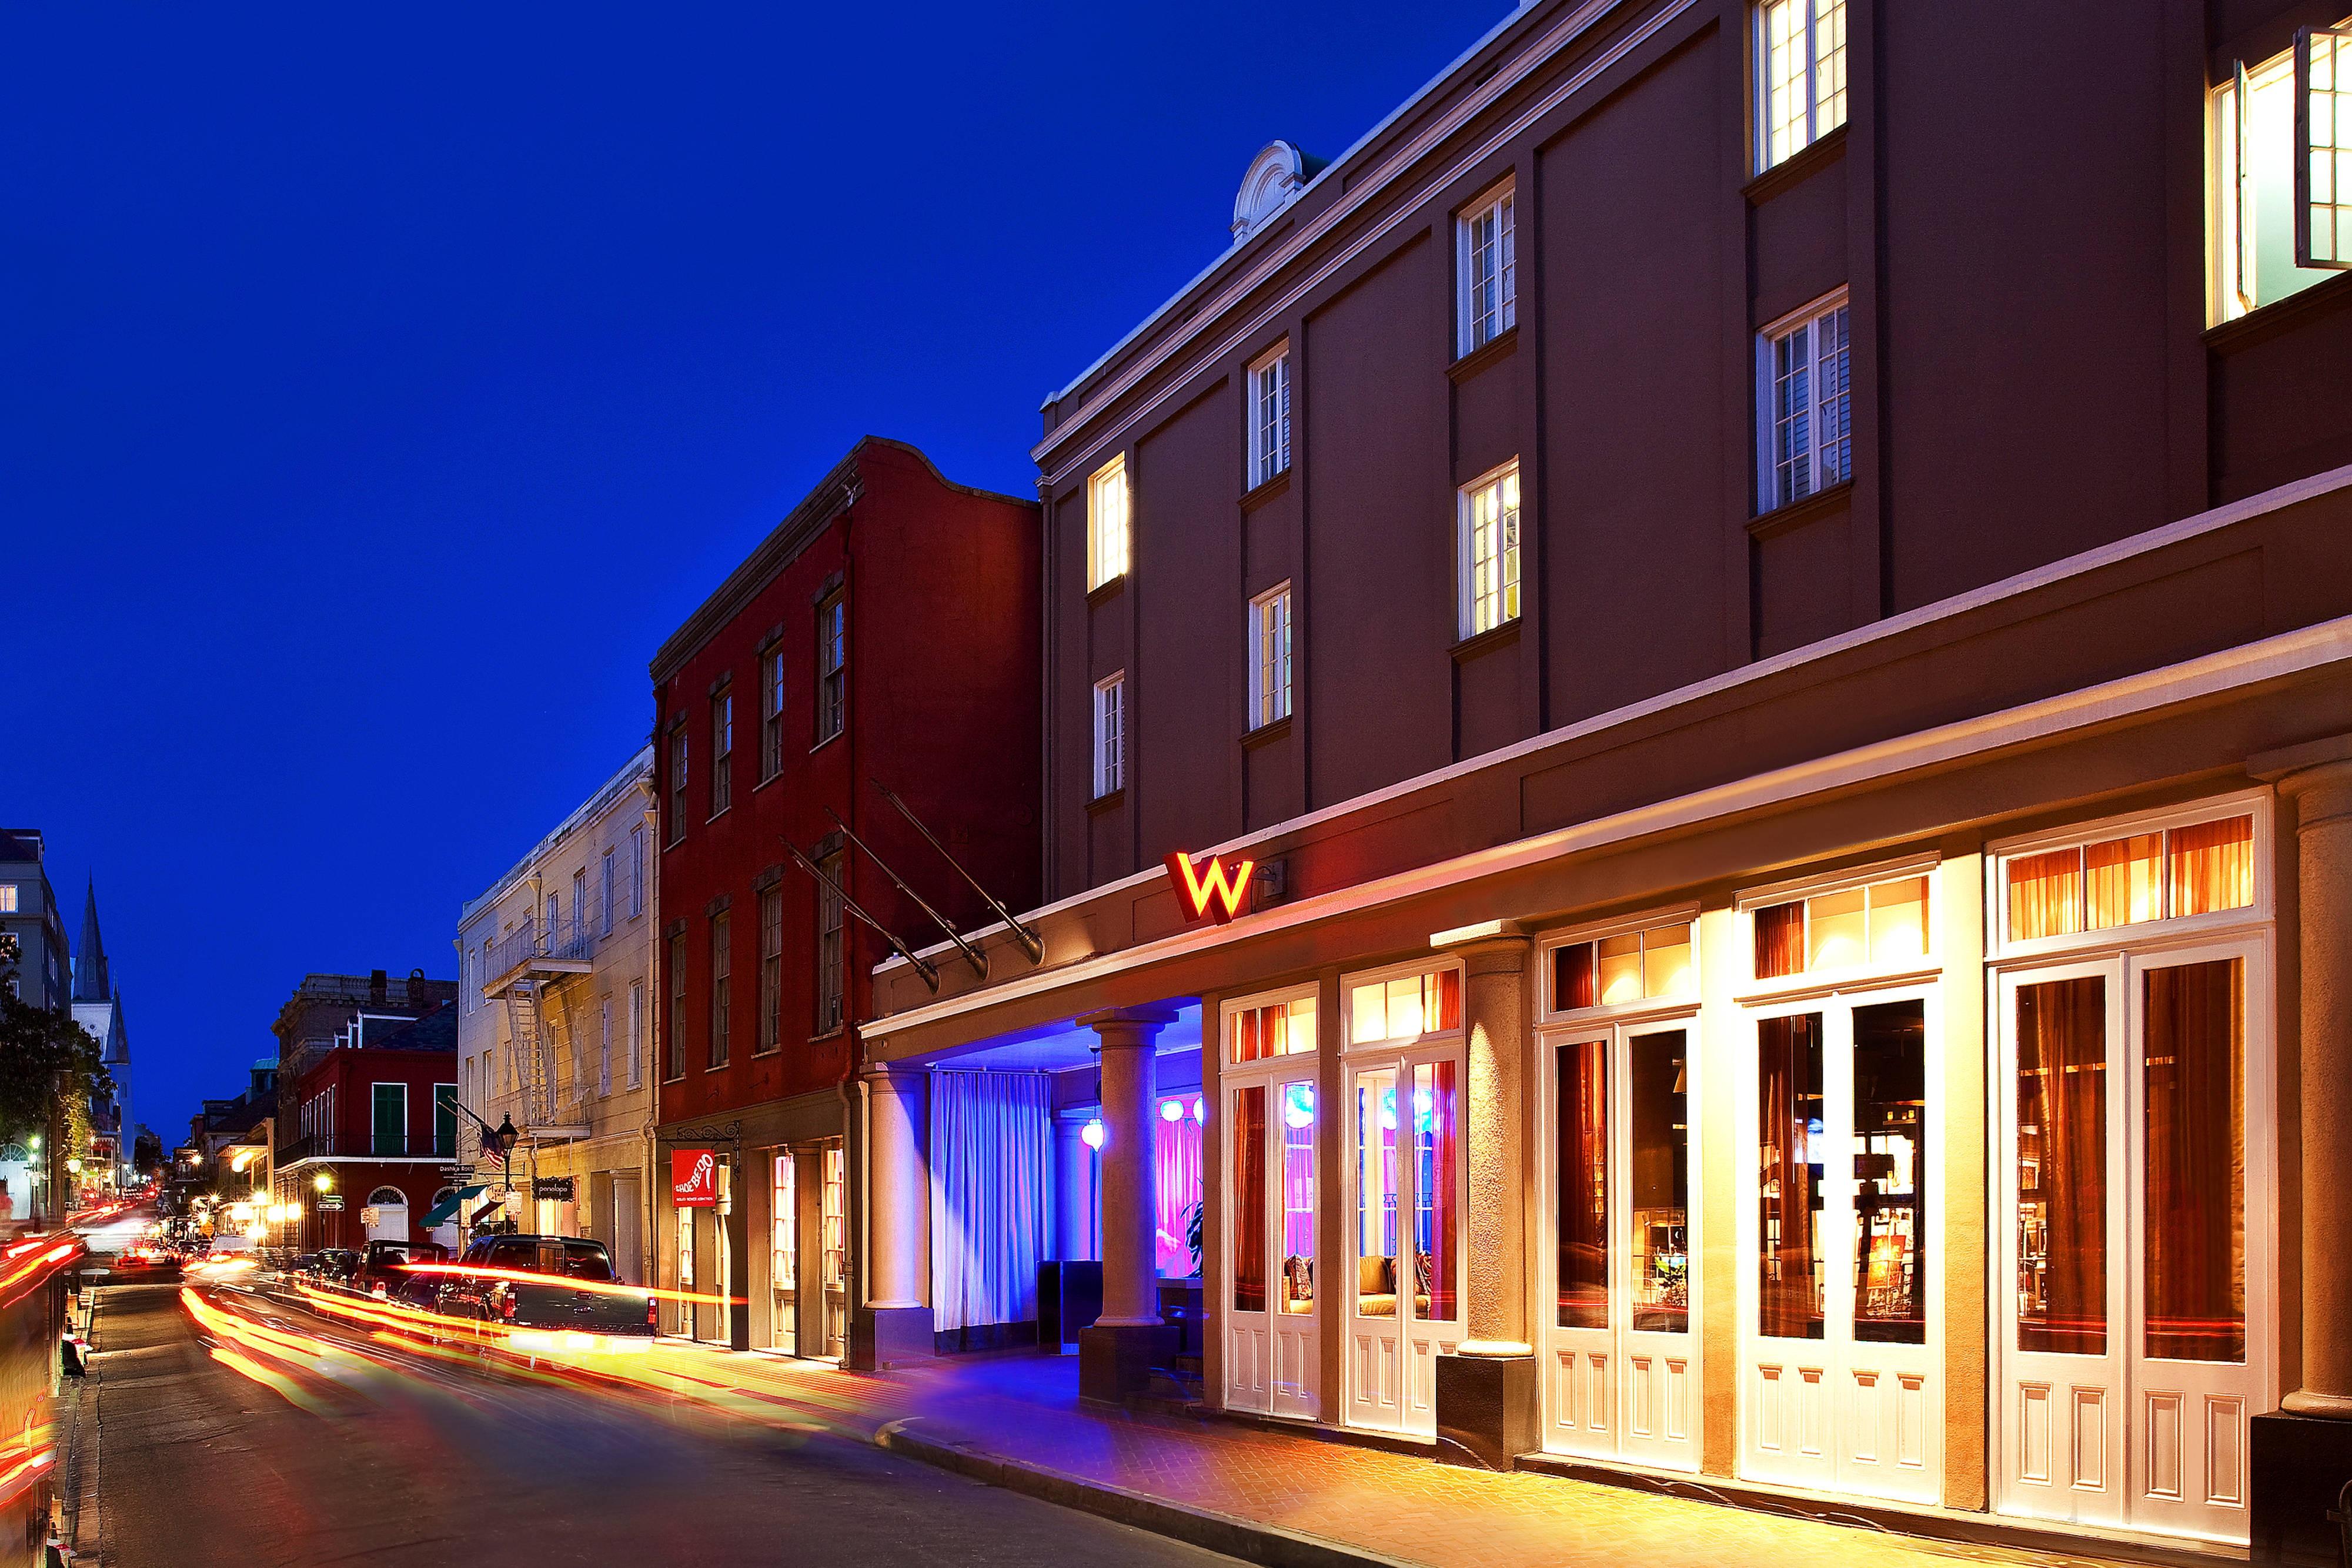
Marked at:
<point>1269,653</point>
<point>1800,69</point>
<point>1111,734</point>
<point>1805,395</point>
<point>636,871</point>
<point>636,1033</point>
<point>771,712</point>
<point>1490,551</point>
<point>2281,136</point>
<point>604,914</point>
<point>7,898</point>
<point>772,970</point>
<point>723,752</point>
<point>832,946</point>
<point>677,758</point>
<point>1269,382</point>
<point>1621,968</point>
<point>1107,507</point>
<point>1486,261</point>
<point>605,1045</point>
<point>831,664</point>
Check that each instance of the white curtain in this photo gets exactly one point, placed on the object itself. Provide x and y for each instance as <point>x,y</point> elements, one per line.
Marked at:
<point>991,1165</point>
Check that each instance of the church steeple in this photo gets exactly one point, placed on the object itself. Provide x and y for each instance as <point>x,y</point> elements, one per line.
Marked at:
<point>90,979</point>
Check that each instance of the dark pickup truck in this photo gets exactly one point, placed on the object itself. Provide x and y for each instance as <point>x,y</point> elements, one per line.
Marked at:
<point>579,1307</point>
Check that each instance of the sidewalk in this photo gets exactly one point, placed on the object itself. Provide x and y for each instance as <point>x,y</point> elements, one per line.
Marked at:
<point>1270,1496</point>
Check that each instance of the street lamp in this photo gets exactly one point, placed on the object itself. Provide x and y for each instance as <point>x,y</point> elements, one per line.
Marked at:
<point>323,1182</point>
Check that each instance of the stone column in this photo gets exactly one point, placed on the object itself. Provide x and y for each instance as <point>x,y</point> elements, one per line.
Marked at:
<point>2301,1453</point>
<point>1117,1354</point>
<point>1487,1394</point>
<point>894,1323</point>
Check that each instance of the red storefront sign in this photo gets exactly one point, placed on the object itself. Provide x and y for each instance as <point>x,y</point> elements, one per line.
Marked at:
<point>1209,895</point>
<point>694,1178</point>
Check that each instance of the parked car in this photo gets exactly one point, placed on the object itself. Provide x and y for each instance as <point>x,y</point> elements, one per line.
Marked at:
<point>382,1270</point>
<point>569,1313</point>
<point>329,1265</point>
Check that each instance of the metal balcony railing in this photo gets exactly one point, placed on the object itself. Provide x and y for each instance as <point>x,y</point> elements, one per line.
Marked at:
<point>573,936</point>
<point>318,1146</point>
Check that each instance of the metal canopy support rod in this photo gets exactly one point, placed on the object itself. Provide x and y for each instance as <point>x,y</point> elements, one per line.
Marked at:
<point>928,970</point>
<point>978,960</point>
<point>1031,943</point>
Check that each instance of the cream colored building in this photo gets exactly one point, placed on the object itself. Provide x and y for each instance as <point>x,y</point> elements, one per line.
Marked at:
<point>555,1030</point>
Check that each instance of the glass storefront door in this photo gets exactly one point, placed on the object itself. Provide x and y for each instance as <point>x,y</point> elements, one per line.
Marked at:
<point>783,1252</point>
<point>1271,1340</point>
<point>1840,1381</point>
<point>1621,1356</point>
<point>2128,1359</point>
<point>1406,1197</point>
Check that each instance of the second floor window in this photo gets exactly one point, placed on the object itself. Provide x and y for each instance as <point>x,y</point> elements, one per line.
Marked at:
<point>771,713</point>
<point>1269,383</point>
<point>722,968</point>
<point>1269,626</point>
<point>1801,66</point>
<point>605,915</point>
<point>1490,551</point>
<point>604,1046</point>
<point>1107,532</point>
<point>832,954</point>
<point>772,969</point>
<point>678,784</point>
<point>636,872</point>
<point>1488,266</point>
<point>637,1031</point>
<point>674,1066</point>
<point>2281,133</point>
<point>722,751</point>
<point>1806,380</point>
<point>1111,734</point>
<point>832,666</point>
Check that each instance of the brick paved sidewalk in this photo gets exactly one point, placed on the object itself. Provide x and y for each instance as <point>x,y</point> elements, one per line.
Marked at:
<point>1402,1506</point>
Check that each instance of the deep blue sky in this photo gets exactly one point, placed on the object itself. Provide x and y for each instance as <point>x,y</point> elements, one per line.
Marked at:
<point>381,390</point>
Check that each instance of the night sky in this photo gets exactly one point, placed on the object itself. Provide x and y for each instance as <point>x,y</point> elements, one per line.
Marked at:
<point>379,396</point>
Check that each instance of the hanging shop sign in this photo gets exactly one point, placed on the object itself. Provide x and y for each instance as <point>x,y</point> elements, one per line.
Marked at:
<point>1215,894</point>
<point>552,1189</point>
<point>694,1178</point>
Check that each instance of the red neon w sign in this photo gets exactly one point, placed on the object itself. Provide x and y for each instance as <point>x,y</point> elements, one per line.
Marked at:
<point>1210,895</point>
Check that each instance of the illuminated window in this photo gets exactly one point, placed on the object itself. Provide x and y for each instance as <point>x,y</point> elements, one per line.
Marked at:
<point>7,898</point>
<point>2201,868</point>
<point>1274,1029</point>
<point>1490,551</point>
<point>1882,926</point>
<point>1270,656</point>
<point>2284,217</point>
<point>1800,58</point>
<point>1805,376</point>
<point>723,752</point>
<point>1486,259</point>
<point>1269,383</point>
<point>1111,734</point>
<point>1404,1006</point>
<point>1108,506</point>
<point>1653,965</point>
<point>832,666</point>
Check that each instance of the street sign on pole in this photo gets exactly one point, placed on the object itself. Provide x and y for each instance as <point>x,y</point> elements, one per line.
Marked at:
<point>331,1203</point>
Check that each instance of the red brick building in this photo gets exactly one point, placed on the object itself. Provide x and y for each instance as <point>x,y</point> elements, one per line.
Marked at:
<point>886,631</point>
<point>378,1123</point>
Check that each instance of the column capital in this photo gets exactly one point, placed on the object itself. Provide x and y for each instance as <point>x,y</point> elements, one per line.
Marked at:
<point>892,1077</point>
<point>1127,1026</point>
<point>1489,947</point>
<point>2316,775</point>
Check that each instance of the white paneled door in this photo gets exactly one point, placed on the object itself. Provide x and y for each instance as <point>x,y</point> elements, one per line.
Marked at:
<point>1840,1380</point>
<point>1406,1197</point>
<point>2133,1238</point>
<point>1620,1355</point>
<point>1272,1346</point>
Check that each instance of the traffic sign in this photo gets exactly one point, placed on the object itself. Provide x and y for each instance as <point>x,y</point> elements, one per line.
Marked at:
<point>331,1203</point>
<point>461,1174</point>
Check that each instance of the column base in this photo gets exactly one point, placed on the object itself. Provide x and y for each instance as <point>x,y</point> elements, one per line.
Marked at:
<point>1486,1409</point>
<point>889,1336</point>
<point>1115,1360</point>
<point>2302,1466</point>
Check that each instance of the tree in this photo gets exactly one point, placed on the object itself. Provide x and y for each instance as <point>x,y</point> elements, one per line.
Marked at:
<point>49,1068</point>
<point>147,1152</point>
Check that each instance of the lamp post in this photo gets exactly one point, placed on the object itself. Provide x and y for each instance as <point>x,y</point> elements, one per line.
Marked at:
<point>500,1140</point>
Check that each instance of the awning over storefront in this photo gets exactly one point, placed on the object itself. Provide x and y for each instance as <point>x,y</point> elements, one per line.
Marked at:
<point>443,1212</point>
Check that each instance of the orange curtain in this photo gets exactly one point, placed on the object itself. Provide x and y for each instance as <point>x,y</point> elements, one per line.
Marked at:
<point>2062,1179</point>
<point>1583,1148</point>
<point>1249,1200</point>
<point>2196,1258</point>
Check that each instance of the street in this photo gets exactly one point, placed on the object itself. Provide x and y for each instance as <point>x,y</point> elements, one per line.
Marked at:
<point>399,1459</point>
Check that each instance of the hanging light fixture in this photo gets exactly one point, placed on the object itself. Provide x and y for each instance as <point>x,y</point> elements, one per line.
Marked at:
<point>1199,1116</point>
<point>1172,1110</point>
<point>1093,1133</point>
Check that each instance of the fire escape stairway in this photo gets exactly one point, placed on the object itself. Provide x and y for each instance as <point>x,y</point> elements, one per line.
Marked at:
<point>523,1023</point>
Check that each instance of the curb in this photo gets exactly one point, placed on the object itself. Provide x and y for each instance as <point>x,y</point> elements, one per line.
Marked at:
<point>1251,1541</point>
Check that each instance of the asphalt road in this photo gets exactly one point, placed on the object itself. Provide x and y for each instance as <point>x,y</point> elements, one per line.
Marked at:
<point>402,1460</point>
